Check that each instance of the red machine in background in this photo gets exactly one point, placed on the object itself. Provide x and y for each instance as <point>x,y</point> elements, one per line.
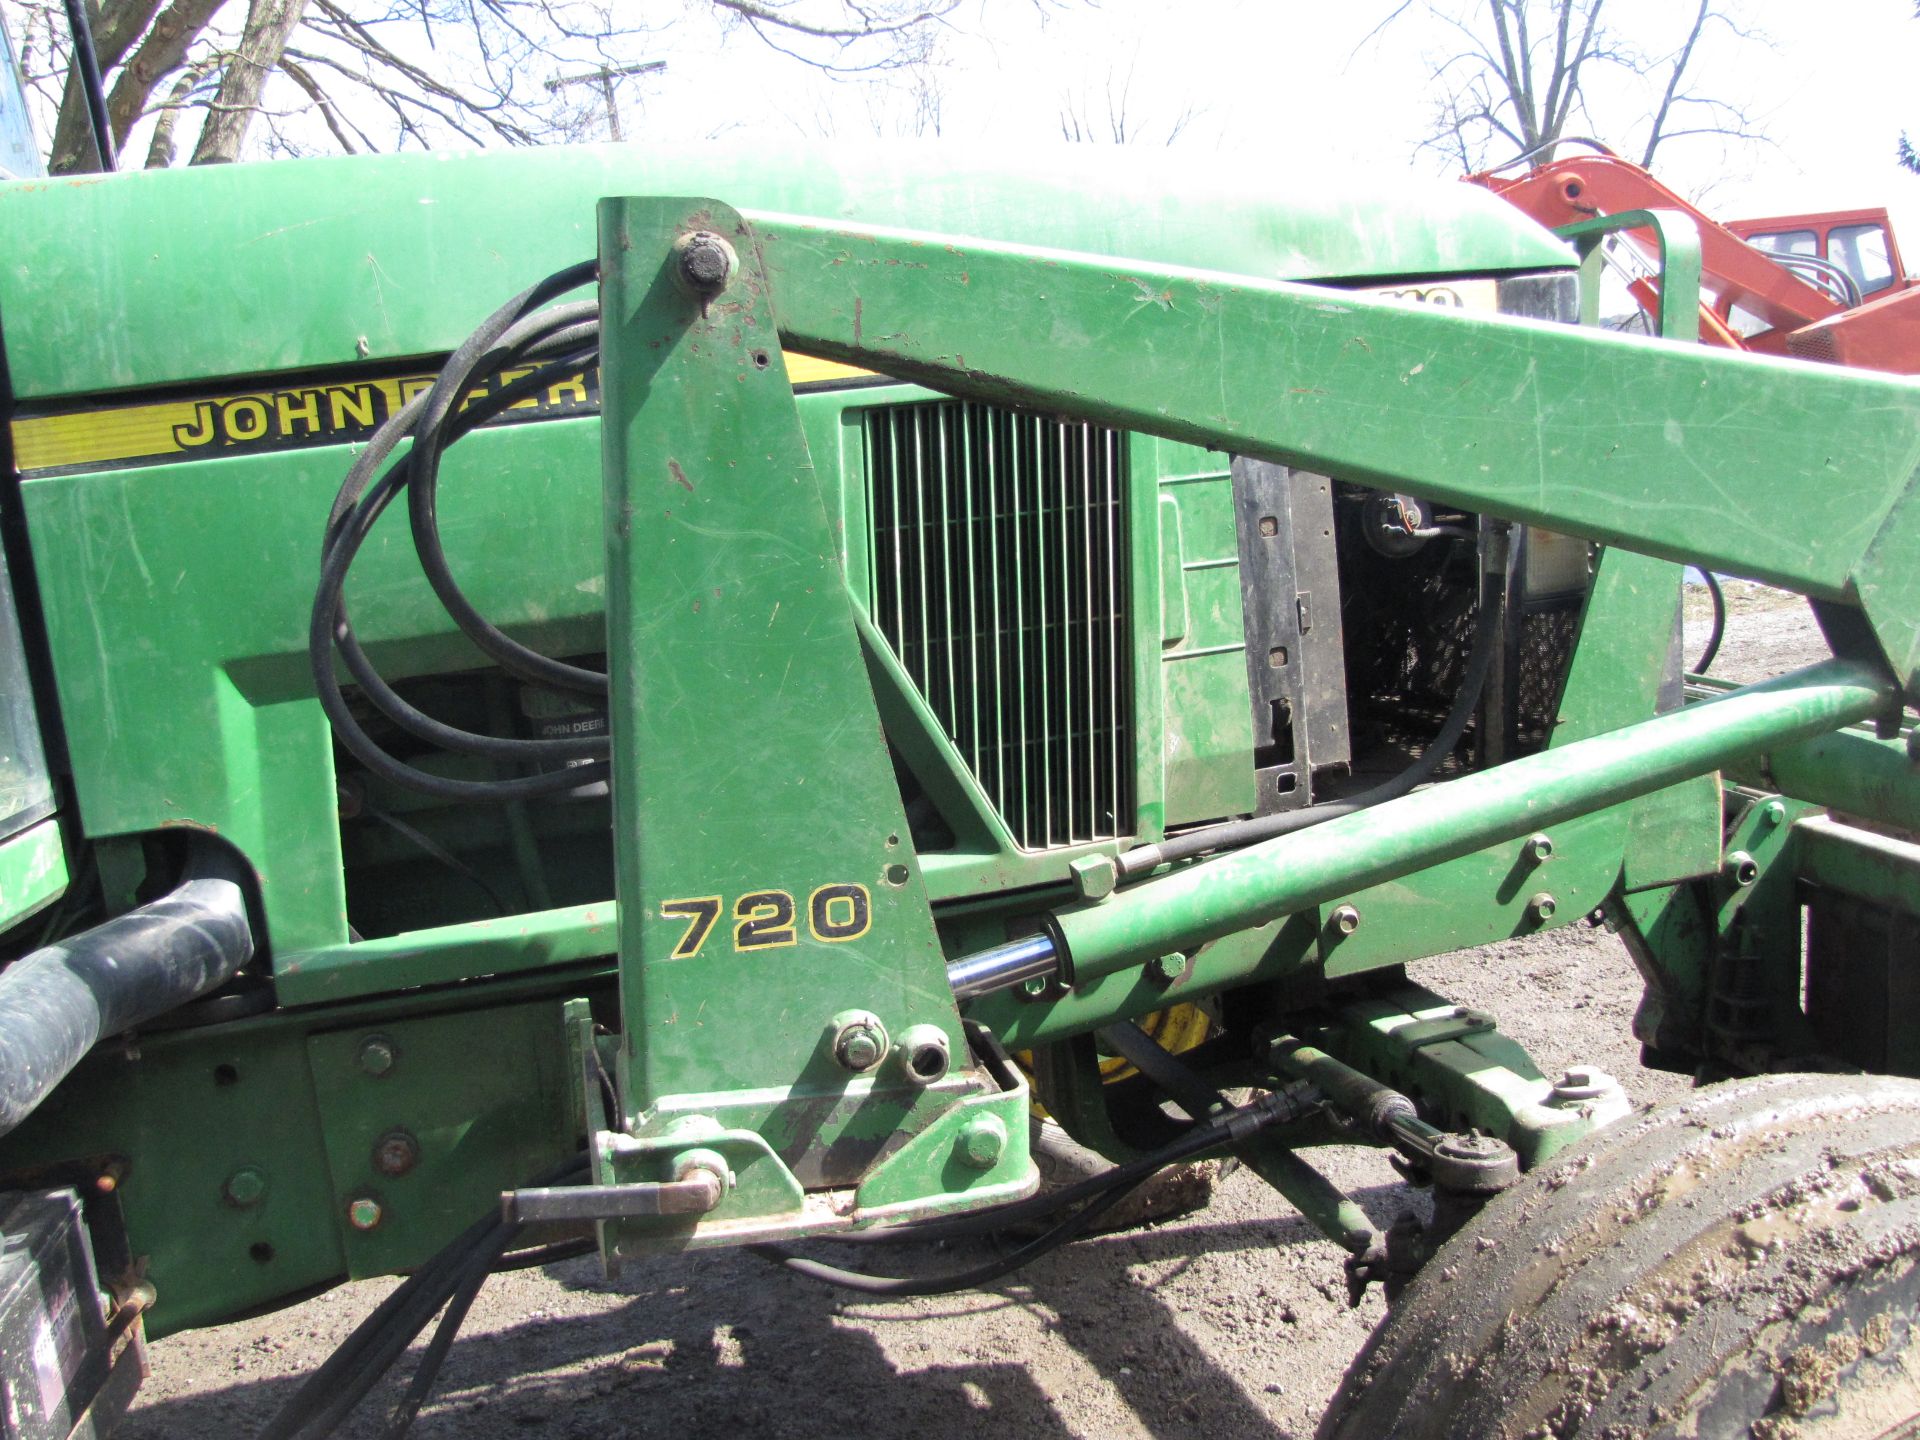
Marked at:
<point>1829,286</point>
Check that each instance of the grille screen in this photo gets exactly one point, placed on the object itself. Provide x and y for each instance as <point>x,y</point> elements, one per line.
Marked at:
<point>999,578</point>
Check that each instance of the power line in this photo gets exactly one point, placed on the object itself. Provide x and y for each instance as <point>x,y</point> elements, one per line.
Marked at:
<point>604,78</point>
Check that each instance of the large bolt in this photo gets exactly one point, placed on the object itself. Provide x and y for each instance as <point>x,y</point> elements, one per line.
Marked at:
<point>396,1152</point>
<point>1346,920</point>
<point>1542,906</point>
<point>1581,1083</point>
<point>981,1142</point>
<point>1094,876</point>
<point>377,1054</point>
<point>247,1186</point>
<point>363,1213</point>
<point>859,1041</point>
<point>707,263</point>
<point>860,1049</point>
<point>1168,969</point>
<point>1540,847</point>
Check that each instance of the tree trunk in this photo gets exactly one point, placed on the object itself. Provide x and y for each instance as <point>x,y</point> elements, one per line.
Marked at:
<point>163,51</point>
<point>269,25</point>
<point>116,25</point>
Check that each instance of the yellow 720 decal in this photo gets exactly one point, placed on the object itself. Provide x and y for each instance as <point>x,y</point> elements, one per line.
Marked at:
<point>766,919</point>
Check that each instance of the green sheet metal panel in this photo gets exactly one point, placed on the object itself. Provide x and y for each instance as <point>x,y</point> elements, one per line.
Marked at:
<point>176,275</point>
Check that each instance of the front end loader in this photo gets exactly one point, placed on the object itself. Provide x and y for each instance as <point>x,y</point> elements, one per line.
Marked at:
<point>857,655</point>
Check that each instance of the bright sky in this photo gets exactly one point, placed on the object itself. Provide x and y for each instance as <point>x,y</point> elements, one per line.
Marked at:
<point>1290,85</point>
<point>1295,86</point>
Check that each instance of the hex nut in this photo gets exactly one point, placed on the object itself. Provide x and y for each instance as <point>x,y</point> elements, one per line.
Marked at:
<point>1542,906</point>
<point>981,1142</point>
<point>707,262</point>
<point>363,1213</point>
<point>1094,876</point>
<point>1345,920</point>
<point>1540,847</point>
<point>396,1152</point>
<point>859,1040</point>
<point>1740,868</point>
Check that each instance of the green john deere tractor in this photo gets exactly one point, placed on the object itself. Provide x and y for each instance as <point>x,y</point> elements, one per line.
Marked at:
<point>856,652</point>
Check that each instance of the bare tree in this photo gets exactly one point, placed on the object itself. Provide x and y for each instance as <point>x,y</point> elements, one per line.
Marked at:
<point>1903,150</point>
<point>1110,118</point>
<point>1519,76</point>
<point>393,74</point>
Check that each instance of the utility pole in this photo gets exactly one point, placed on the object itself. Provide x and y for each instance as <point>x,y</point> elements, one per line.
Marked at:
<point>604,78</point>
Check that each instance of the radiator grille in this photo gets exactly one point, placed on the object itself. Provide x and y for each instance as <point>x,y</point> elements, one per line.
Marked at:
<point>1000,579</point>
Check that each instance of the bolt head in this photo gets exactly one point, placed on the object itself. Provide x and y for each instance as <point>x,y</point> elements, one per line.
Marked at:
<point>1773,812</point>
<point>1346,919</point>
<point>981,1142</point>
<point>859,1049</point>
<point>396,1152</point>
<point>707,262</point>
<point>377,1055</point>
<point>1168,968</point>
<point>1542,906</point>
<point>1540,847</point>
<point>246,1187</point>
<point>1581,1083</point>
<point>1094,876</point>
<point>363,1213</point>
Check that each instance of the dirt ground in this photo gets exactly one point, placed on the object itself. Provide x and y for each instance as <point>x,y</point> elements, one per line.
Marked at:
<point>1231,1323</point>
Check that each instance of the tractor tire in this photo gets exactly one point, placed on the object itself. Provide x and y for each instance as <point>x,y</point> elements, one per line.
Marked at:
<point>1745,1262</point>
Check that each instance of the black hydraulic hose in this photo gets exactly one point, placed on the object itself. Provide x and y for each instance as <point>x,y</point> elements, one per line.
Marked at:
<point>1719,631</point>
<point>348,525</point>
<point>1100,1193</point>
<point>86,59</point>
<point>422,492</point>
<point>450,1279</point>
<point>1235,833</point>
<point>903,1286</point>
<point>339,557</point>
<point>482,1264</point>
<point>59,1001</point>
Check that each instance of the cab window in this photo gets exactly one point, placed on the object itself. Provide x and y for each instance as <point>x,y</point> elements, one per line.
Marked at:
<point>1861,250</point>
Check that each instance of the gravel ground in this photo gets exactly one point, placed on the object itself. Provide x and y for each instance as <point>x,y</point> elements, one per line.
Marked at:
<point>1233,1322</point>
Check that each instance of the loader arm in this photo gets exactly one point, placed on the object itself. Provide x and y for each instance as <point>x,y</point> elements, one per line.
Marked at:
<point>1797,475</point>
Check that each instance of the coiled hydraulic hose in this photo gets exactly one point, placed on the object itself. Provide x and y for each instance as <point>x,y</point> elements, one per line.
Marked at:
<point>558,341</point>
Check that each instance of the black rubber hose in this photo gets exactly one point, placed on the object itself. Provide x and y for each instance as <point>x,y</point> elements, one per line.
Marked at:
<point>340,556</point>
<point>441,404</point>
<point>903,1286</point>
<point>1235,833</point>
<point>1100,1193</point>
<point>59,1001</point>
<point>333,1391</point>
<point>348,528</point>
<point>1719,631</point>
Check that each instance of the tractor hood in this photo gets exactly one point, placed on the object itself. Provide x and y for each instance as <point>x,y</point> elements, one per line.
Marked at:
<point>163,277</point>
